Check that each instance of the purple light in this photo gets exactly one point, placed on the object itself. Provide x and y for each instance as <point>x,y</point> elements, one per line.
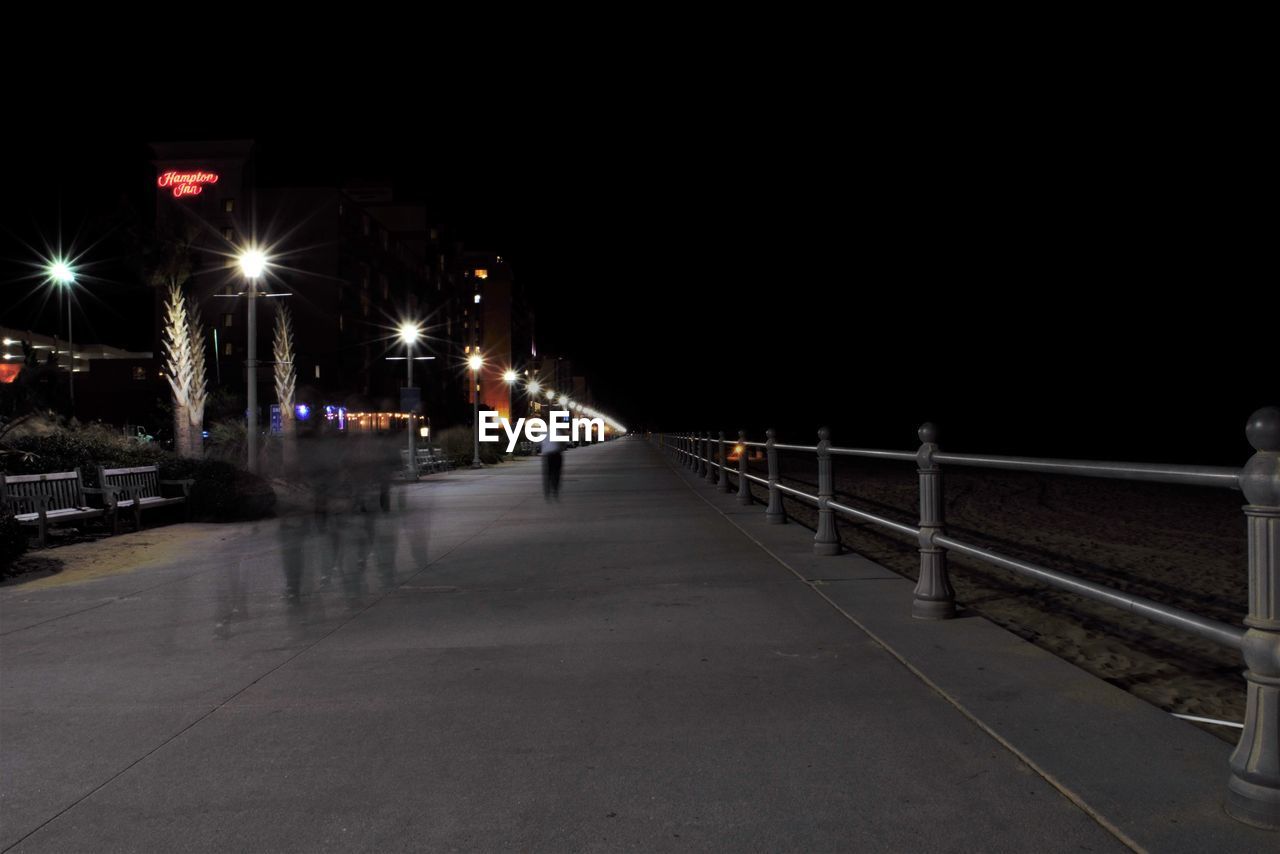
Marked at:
<point>304,411</point>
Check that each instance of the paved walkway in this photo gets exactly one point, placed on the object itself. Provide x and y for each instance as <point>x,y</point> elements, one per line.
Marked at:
<point>626,669</point>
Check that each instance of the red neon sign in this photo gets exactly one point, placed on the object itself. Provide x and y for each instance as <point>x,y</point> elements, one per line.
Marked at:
<point>186,183</point>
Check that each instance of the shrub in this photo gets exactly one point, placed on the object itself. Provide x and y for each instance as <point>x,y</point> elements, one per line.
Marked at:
<point>457,444</point>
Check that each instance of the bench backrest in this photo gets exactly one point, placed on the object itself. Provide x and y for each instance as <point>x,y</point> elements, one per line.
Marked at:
<point>145,477</point>
<point>64,488</point>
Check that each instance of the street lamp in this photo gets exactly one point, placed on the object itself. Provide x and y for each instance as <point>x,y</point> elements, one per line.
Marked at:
<point>509,377</point>
<point>64,276</point>
<point>253,264</point>
<point>409,333</point>
<point>475,362</point>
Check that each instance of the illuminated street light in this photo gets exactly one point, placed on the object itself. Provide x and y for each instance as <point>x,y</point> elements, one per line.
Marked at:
<point>509,377</point>
<point>476,362</point>
<point>64,275</point>
<point>410,333</point>
<point>253,264</point>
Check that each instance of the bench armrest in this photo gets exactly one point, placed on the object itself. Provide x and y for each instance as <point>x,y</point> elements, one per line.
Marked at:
<point>108,494</point>
<point>185,483</point>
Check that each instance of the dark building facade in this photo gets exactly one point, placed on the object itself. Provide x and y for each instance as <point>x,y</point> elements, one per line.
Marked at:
<point>351,264</point>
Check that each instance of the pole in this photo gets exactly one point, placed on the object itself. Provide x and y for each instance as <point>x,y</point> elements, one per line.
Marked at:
<point>71,349</point>
<point>413,459</point>
<point>251,368</point>
<point>475,422</point>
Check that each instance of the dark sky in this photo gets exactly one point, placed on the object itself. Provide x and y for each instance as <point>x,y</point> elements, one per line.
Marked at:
<point>1038,271</point>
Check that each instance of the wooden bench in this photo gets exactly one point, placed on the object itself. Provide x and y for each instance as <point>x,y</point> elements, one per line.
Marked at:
<point>139,488</point>
<point>50,499</point>
<point>430,460</point>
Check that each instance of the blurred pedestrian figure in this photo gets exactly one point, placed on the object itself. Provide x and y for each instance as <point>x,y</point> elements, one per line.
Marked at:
<point>552,462</point>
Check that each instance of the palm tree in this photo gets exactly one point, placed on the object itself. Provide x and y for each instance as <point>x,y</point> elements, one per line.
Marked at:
<point>179,367</point>
<point>286,378</point>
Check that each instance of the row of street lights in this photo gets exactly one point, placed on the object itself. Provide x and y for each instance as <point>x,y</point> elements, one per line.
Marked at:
<point>253,264</point>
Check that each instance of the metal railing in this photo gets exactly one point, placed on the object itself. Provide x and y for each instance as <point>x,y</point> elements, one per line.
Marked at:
<point>1253,790</point>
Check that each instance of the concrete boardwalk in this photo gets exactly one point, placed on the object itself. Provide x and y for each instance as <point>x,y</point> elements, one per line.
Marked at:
<point>627,669</point>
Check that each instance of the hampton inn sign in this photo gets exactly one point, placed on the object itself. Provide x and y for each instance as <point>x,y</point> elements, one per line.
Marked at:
<point>186,183</point>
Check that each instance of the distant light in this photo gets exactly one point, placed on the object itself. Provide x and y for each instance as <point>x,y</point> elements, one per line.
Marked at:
<point>482,274</point>
<point>424,432</point>
<point>477,298</point>
<point>509,377</point>
<point>534,388</point>
<point>60,271</point>
<point>303,411</point>
<point>253,262</point>
<point>476,362</point>
<point>409,333</point>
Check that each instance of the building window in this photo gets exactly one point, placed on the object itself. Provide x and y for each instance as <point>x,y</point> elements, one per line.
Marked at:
<point>140,374</point>
<point>342,326</point>
<point>228,349</point>
<point>365,225</point>
<point>229,205</point>
<point>386,240</point>
<point>228,233</point>
<point>386,286</point>
<point>317,372</point>
<point>228,320</point>
<point>482,274</point>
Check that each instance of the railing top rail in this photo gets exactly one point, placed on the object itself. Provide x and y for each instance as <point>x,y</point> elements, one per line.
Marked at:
<point>782,447</point>
<point>1221,476</point>
<point>874,452</point>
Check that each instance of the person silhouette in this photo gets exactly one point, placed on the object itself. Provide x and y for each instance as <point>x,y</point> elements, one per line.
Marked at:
<point>552,462</point>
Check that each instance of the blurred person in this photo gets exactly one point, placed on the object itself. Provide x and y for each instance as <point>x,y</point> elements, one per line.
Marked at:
<point>552,463</point>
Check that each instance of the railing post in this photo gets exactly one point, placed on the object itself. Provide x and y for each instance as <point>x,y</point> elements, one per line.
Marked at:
<point>744,485</point>
<point>774,513</point>
<point>702,448</point>
<point>1253,790</point>
<point>933,598</point>
<point>723,485</point>
<point>709,467</point>
<point>825,541</point>
<point>688,452</point>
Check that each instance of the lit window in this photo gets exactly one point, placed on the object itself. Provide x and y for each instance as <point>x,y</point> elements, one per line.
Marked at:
<point>140,373</point>
<point>477,298</point>
<point>228,233</point>
<point>229,349</point>
<point>228,320</point>
<point>229,205</point>
<point>482,274</point>
<point>317,372</point>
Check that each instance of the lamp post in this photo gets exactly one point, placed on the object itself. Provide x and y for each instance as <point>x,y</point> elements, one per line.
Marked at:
<point>476,362</point>
<point>409,334</point>
<point>509,377</point>
<point>64,276</point>
<point>253,263</point>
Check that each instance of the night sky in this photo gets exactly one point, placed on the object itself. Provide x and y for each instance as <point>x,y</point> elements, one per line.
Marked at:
<point>1052,275</point>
